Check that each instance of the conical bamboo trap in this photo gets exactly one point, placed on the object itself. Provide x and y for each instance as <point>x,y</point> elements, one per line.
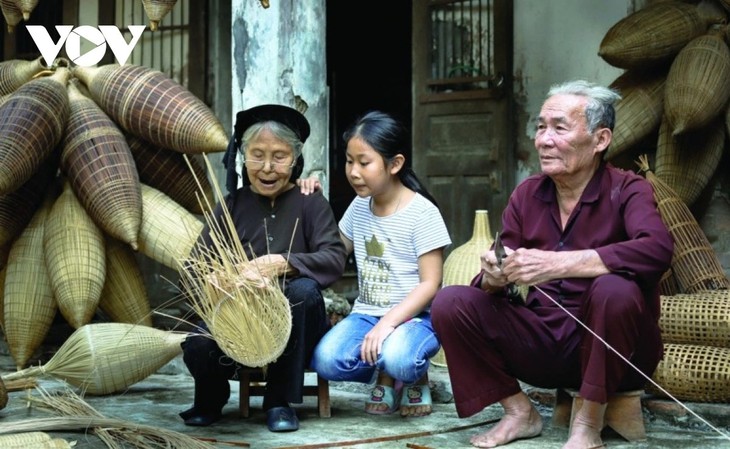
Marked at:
<point>12,14</point>
<point>105,358</point>
<point>167,171</point>
<point>32,122</point>
<point>99,165</point>
<point>124,296</point>
<point>687,162</point>
<point>150,105</point>
<point>694,373</point>
<point>464,262</point>
<point>28,303</point>
<point>26,7</point>
<point>698,83</point>
<point>74,255</point>
<point>156,10</point>
<point>16,72</point>
<point>701,318</point>
<point>652,35</point>
<point>168,231</point>
<point>694,263</point>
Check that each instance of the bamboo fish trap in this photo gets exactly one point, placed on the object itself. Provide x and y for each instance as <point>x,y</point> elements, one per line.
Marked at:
<point>701,318</point>
<point>694,264</point>
<point>32,122</point>
<point>16,72</point>
<point>652,35</point>
<point>28,303</point>
<point>698,83</point>
<point>167,171</point>
<point>35,440</point>
<point>687,162</point>
<point>74,255</point>
<point>105,358</point>
<point>26,7</point>
<point>150,105</point>
<point>13,15</point>
<point>694,373</point>
<point>124,296</point>
<point>99,165</point>
<point>247,314</point>
<point>156,10</point>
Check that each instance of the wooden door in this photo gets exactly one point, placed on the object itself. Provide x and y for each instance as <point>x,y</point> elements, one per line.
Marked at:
<point>462,116</point>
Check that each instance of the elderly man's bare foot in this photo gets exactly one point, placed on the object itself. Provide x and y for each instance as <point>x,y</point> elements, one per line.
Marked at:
<point>584,437</point>
<point>521,420</point>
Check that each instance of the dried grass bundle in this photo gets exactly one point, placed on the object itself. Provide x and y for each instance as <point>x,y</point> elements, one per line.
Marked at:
<point>124,296</point>
<point>156,10</point>
<point>244,308</point>
<point>105,358</point>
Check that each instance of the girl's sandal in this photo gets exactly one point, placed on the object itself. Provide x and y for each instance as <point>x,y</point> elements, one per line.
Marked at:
<point>382,394</point>
<point>416,396</point>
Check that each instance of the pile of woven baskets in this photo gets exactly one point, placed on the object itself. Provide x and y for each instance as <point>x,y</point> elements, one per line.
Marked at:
<point>674,109</point>
<point>93,168</point>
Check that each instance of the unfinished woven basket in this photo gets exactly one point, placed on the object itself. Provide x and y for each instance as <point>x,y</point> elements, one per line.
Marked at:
<point>694,264</point>
<point>156,10</point>
<point>28,303</point>
<point>74,254</point>
<point>698,83</point>
<point>167,171</point>
<point>651,35</point>
<point>150,105</point>
<point>687,162</point>
<point>16,72</point>
<point>124,296</point>
<point>168,231</point>
<point>694,373</point>
<point>32,122</point>
<point>701,318</point>
<point>105,358</point>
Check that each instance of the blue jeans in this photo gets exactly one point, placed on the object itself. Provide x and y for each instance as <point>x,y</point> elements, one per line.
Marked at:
<point>405,354</point>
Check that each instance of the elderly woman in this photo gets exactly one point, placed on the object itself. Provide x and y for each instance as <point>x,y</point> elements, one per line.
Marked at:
<point>589,241</point>
<point>283,230</point>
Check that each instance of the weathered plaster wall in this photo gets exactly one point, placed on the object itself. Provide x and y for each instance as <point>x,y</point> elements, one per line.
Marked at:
<point>278,56</point>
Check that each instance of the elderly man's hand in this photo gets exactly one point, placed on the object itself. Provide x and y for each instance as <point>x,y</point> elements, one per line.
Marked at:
<point>493,277</point>
<point>532,266</point>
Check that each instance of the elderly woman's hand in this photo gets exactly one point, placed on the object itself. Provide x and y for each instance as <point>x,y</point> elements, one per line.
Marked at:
<point>309,185</point>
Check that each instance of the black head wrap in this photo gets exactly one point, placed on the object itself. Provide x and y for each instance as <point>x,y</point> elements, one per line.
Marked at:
<point>285,115</point>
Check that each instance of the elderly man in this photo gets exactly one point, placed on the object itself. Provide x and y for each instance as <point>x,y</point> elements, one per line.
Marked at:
<point>588,240</point>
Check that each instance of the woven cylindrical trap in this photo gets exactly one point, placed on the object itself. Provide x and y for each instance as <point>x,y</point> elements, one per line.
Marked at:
<point>24,440</point>
<point>32,122</point>
<point>16,72</point>
<point>668,284</point>
<point>99,165</point>
<point>651,35</point>
<point>698,84</point>
<point>639,111</point>
<point>694,373</point>
<point>687,162</point>
<point>74,254</point>
<point>464,261</point>
<point>150,105</point>
<point>156,10</point>
<point>28,303</point>
<point>701,318</point>
<point>124,296</point>
<point>167,171</point>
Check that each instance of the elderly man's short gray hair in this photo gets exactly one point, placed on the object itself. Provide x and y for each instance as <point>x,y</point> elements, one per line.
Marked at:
<point>600,108</point>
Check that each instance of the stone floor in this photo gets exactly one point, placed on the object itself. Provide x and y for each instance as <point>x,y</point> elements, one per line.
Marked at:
<point>157,400</point>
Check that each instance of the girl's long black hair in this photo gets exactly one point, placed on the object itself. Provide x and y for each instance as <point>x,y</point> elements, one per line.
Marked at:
<point>389,138</point>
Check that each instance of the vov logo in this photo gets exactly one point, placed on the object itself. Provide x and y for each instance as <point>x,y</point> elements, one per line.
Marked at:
<point>71,37</point>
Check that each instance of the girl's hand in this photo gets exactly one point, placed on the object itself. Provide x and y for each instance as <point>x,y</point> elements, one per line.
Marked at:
<point>309,185</point>
<point>372,345</point>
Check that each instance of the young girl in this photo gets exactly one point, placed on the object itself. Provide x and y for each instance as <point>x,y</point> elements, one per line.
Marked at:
<point>398,235</point>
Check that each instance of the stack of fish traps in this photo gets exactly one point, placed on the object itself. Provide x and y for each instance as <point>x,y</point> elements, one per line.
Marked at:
<point>674,118</point>
<point>93,179</point>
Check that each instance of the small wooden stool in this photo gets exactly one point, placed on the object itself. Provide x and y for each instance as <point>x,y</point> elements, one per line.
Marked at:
<point>623,412</point>
<point>252,383</point>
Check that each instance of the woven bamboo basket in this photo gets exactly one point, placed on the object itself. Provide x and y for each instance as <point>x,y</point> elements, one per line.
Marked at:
<point>32,122</point>
<point>156,10</point>
<point>74,255</point>
<point>651,35</point>
<point>698,83</point>
<point>12,14</point>
<point>668,284</point>
<point>168,231</point>
<point>150,105</point>
<point>26,7</point>
<point>694,373</point>
<point>105,358</point>
<point>167,171</point>
<point>25,440</point>
<point>99,165</point>
<point>639,112</point>
<point>694,263</point>
<point>16,72</point>
<point>28,303</point>
<point>124,296</point>
<point>3,270</point>
<point>701,318</point>
<point>687,162</point>
<point>18,206</point>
